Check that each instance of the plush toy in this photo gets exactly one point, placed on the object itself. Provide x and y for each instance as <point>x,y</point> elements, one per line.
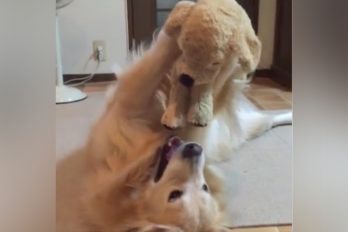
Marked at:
<point>216,40</point>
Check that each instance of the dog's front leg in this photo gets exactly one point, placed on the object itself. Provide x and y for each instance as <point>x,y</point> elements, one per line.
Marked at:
<point>138,85</point>
<point>175,114</point>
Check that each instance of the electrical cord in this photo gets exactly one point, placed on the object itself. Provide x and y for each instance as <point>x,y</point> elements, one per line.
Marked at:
<point>85,79</point>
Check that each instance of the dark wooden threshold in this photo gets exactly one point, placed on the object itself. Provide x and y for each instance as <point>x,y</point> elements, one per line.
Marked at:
<point>264,73</point>
<point>98,77</point>
<point>277,75</point>
<point>282,77</point>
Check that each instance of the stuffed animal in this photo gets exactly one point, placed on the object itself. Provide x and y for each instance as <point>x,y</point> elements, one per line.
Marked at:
<point>216,40</point>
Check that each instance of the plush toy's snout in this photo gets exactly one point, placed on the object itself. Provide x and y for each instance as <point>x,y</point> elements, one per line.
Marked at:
<point>186,80</point>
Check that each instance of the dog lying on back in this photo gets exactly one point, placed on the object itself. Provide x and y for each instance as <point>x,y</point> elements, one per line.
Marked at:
<point>139,180</point>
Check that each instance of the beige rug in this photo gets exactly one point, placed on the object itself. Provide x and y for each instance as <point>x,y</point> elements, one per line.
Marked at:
<point>259,183</point>
<point>259,176</point>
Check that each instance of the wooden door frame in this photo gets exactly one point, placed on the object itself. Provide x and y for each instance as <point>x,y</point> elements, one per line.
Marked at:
<point>278,74</point>
<point>131,18</point>
<point>130,22</point>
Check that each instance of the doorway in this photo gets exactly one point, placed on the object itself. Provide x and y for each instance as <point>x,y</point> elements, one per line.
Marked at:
<point>144,16</point>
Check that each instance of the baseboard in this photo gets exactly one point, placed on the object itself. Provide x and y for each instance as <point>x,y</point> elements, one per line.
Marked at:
<point>99,77</point>
<point>276,74</point>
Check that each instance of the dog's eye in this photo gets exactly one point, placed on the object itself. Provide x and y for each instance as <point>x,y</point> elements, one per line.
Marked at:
<point>205,188</point>
<point>173,196</point>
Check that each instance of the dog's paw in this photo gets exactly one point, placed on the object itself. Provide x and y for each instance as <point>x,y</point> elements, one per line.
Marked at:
<point>172,121</point>
<point>199,115</point>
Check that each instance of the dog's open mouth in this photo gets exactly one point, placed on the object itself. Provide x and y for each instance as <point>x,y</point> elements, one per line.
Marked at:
<point>166,153</point>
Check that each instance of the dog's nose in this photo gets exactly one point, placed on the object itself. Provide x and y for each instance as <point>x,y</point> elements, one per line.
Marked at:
<point>186,80</point>
<point>192,150</point>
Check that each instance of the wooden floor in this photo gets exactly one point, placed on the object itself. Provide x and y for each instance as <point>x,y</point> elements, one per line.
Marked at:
<point>266,95</point>
<point>262,91</point>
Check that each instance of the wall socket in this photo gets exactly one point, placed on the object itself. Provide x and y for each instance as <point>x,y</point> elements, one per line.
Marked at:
<point>99,47</point>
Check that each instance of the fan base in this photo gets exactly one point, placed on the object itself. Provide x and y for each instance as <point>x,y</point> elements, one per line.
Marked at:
<point>67,94</point>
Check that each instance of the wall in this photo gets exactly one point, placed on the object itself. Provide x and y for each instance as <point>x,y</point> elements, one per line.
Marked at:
<point>83,21</point>
<point>267,15</point>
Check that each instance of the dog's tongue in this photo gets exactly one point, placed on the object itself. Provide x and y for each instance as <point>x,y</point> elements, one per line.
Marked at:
<point>172,144</point>
<point>166,154</point>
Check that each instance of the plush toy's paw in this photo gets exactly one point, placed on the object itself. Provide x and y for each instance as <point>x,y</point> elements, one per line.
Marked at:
<point>171,120</point>
<point>200,114</point>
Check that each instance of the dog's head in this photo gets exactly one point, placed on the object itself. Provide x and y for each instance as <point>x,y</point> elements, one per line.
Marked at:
<point>163,192</point>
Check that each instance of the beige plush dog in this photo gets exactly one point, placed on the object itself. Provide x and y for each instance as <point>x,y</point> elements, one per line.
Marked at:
<point>217,40</point>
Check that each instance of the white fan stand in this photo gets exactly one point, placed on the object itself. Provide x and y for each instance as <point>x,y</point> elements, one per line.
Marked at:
<point>64,94</point>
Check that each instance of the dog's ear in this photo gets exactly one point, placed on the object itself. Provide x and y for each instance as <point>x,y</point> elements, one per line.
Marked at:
<point>177,17</point>
<point>140,171</point>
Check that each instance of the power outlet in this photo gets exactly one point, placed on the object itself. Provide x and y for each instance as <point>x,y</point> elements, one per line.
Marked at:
<point>99,50</point>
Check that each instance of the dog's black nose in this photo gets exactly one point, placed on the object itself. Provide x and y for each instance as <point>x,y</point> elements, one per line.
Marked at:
<point>186,80</point>
<point>192,150</point>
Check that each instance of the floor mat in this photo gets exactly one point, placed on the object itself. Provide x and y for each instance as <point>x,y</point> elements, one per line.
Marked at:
<point>259,181</point>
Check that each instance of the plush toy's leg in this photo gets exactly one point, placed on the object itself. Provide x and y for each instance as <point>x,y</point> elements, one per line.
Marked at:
<point>201,105</point>
<point>250,52</point>
<point>175,114</point>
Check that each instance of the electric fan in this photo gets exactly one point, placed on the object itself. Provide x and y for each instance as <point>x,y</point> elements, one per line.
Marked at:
<point>64,94</point>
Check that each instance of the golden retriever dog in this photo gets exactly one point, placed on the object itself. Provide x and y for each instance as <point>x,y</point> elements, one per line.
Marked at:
<point>137,176</point>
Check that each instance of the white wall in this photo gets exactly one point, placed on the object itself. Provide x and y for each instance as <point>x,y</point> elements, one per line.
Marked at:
<point>266,27</point>
<point>83,21</point>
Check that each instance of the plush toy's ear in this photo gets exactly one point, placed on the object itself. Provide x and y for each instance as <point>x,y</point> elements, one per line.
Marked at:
<point>248,47</point>
<point>177,17</point>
